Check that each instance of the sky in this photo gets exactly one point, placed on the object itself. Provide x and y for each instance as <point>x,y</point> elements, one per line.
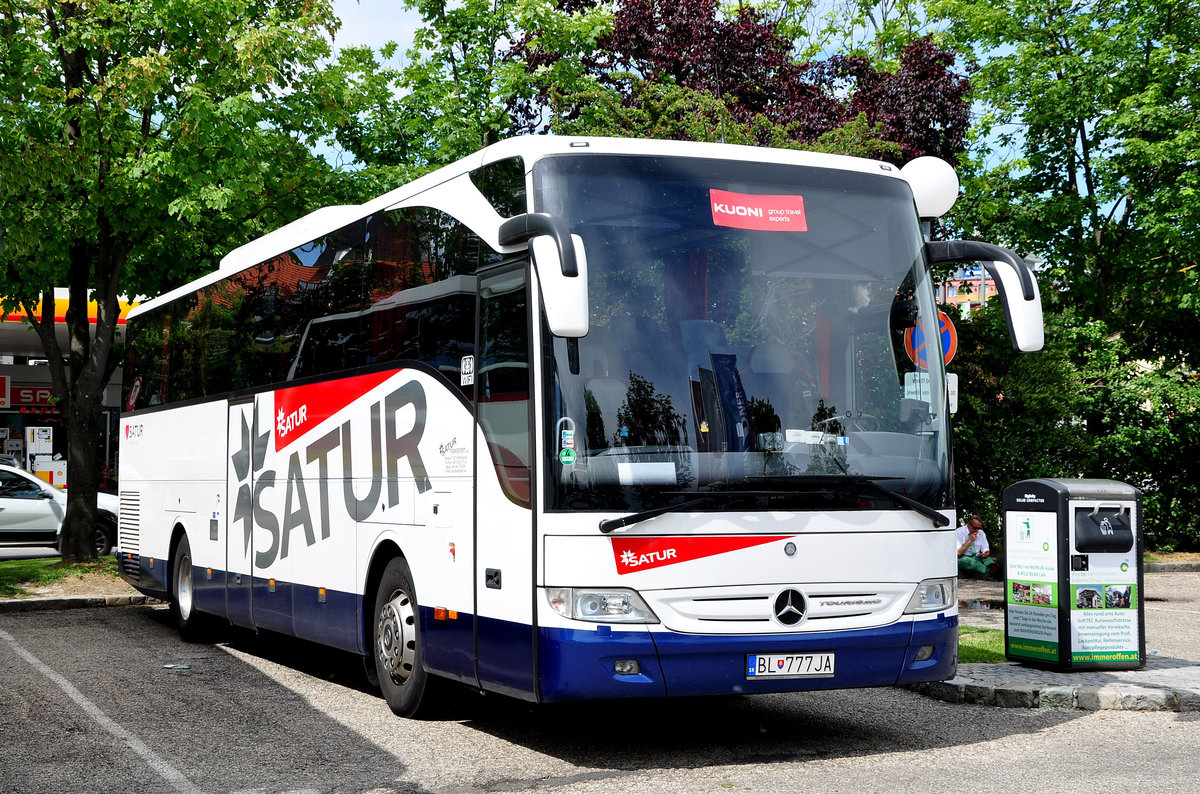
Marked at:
<point>372,23</point>
<point>375,22</point>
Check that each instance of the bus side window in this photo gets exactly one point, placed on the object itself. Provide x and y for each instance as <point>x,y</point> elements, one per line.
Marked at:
<point>502,380</point>
<point>423,285</point>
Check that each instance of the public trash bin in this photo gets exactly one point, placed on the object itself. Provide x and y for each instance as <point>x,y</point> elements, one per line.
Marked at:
<point>1073,574</point>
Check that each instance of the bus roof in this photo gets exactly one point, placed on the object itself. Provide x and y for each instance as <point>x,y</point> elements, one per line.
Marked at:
<point>531,148</point>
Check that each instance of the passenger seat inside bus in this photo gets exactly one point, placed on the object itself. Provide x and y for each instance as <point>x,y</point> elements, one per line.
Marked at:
<point>638,345</point>
<point>773,374</point>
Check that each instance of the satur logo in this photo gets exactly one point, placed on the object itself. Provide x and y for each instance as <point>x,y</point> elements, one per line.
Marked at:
<point>633,560</point>
<point>286,423</point>
<point>388,447</point>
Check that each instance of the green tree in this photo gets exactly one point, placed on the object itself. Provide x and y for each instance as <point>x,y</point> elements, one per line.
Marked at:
<point>458,86</point>
<point>1086,154</point>
<point>1019,415</point>
<point>138,142</point>
<point>1079,408</point>
<point>1098,104</point>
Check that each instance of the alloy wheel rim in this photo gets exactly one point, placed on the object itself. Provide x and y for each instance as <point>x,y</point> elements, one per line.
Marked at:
<point>397,637</point>
<point>184,587</point>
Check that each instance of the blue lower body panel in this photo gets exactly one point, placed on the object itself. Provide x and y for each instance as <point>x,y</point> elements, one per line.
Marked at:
<point>331,617</point>
<point>579,664</point>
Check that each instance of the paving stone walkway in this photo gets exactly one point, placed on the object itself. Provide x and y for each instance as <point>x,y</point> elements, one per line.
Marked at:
<point>1164,684</point>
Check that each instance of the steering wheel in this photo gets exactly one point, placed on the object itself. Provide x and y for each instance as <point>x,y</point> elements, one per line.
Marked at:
<point>865,423</point>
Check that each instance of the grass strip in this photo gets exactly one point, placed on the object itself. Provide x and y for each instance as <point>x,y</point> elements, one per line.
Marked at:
<point>16,576</point>
<point>979,644</point>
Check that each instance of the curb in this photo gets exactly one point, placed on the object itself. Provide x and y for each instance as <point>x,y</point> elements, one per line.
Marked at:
<point>1165,685</point>
<point>73,602</point>
<point>1084,698</point>
<point>1170,567</point>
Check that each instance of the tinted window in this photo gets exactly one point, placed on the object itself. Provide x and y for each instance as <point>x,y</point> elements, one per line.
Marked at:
<point>747,332</point>
<point>503,184</point>
<point>394,287</point>
<point>502,377</point>
<point>14,486</point>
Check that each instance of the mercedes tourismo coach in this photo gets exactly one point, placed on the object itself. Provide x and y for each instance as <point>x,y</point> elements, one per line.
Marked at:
<point>571,418</point>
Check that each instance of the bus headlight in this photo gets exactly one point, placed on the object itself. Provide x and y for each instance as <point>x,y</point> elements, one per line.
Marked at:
<point>933,595</point>
<point>602,606</point>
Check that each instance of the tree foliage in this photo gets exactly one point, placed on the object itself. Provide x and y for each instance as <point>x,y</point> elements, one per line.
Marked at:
<point>1086,155</point>
<point>744,62</point>
<point>458,88</point>
<point>138,142</point>
<point>1098,105</point>
<point>479,71</point>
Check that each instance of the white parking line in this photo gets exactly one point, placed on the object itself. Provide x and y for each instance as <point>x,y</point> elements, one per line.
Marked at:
<point>158,764</point>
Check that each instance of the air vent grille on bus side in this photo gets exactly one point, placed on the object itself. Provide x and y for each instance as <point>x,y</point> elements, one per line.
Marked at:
<point>129,531</point>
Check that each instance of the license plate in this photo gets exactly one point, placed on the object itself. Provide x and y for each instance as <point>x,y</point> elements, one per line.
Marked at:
<point>789,665</point>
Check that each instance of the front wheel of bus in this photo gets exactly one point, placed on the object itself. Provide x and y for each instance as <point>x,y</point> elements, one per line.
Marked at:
<point>188,621</point>
<point>396,644</point>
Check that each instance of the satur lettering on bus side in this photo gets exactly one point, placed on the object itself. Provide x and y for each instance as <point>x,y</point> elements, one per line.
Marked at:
<point>387,445</point>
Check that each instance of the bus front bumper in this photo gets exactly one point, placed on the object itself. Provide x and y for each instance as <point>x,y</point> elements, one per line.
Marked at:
<point>589,664</point>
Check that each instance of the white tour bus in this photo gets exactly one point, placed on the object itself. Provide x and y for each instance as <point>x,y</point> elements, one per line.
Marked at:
<point>571,418</point>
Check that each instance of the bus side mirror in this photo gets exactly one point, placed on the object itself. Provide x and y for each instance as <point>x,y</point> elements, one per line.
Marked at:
<point>561,269</point>
<point>565,297</point>
<point>1017,285</point>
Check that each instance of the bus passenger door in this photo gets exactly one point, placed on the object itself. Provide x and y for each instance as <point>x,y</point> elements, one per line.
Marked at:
<point>504,536</point>
<point>246,445</point>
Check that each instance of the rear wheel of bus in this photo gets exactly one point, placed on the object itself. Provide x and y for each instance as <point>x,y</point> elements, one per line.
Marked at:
<point>193,626</point>
<point>396,642</point>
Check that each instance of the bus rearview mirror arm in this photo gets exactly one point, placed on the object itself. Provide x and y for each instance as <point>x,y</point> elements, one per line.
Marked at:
<point>522,228</point>
<point>1014,279</point>
<point>944,251</point>
<point>561,265</point>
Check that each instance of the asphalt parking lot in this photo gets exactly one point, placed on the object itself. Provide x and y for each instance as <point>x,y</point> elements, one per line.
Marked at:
<point>109,699</point>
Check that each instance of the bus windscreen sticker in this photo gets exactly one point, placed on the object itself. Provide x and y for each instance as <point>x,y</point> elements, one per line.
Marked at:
<point>758,213</point>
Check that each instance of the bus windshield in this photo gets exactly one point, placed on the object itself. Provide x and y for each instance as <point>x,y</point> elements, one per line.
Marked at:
<point>755,329</point>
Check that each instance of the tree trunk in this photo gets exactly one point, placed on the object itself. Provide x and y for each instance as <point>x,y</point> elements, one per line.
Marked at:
<point>83,379</point>
<point>83,476</point>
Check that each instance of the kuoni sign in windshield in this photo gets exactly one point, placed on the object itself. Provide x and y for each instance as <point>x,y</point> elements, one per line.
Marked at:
<point>757,212</point>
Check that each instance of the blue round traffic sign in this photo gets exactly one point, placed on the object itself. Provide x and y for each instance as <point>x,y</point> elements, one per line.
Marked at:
<point>915,343</point>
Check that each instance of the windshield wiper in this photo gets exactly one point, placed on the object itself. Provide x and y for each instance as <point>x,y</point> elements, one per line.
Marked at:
<point>835,480</point>
<point>937,518</point>
<point>610,524</point>
<point>786,485</point>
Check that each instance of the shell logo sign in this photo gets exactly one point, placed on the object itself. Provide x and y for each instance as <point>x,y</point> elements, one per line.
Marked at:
<point>61,300</point>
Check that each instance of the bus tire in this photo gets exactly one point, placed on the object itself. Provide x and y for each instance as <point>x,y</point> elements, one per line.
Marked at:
<point>395,645</point>
<point>189,622</point>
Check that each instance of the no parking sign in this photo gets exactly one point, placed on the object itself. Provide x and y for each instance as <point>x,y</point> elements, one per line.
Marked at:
<point>915,343</point>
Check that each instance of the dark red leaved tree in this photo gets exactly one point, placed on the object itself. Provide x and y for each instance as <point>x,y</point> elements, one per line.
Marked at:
<point>923,106</point>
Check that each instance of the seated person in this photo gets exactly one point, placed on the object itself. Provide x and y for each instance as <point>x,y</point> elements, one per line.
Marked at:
<point>974,553</point>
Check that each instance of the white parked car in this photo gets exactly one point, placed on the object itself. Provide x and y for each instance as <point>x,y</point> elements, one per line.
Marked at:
<point>32,510</point>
